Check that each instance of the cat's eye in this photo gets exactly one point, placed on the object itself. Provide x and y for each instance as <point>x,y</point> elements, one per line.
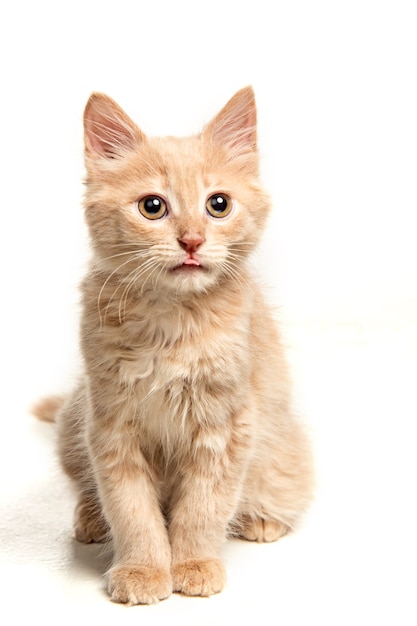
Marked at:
<point>219,205</point>
<point>152,207</point>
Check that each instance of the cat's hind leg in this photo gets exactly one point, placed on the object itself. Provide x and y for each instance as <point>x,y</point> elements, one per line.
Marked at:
<point>90,525</point>
<point>260,529</point>
<point>278,487</point>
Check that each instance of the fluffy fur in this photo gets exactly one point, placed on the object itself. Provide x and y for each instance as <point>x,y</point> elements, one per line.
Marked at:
<point>180,430</point>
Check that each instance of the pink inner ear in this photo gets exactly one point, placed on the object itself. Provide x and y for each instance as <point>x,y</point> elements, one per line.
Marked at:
<point>96,140</point>
<point>108,130</point>
<point>235,125</point>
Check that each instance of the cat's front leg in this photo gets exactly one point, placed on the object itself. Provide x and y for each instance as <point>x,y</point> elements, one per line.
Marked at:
<point>142,556</point>
<point>206,501</point>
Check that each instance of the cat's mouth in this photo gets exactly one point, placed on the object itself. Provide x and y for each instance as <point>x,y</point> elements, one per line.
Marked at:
<point>191,264</point>
<point>189,268</point>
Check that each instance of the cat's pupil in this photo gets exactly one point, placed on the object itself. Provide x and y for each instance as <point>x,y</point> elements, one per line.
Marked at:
<point>218,203</point>
<point>153,205</point>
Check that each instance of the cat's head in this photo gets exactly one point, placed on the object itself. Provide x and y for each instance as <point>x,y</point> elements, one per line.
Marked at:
<point>173,213</point>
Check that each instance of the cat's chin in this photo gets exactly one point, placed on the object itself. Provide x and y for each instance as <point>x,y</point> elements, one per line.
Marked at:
<point>186,278</point>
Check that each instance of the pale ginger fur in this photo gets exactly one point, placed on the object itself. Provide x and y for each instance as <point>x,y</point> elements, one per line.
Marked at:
<point>180,430</point>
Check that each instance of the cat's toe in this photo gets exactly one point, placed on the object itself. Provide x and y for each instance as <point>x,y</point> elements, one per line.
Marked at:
<point>262,530</point>
<point>199,577</point>
<point>139,585</point>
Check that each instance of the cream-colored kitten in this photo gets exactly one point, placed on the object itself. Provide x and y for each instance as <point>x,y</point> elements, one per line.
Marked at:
<point>180,431</point>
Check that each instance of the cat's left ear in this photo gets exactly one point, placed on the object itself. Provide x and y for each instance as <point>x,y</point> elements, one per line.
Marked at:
<point>235,125</point>
<point>108,131</point>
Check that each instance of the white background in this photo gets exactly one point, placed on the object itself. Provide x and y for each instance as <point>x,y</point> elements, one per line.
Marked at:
<point>337,101</point>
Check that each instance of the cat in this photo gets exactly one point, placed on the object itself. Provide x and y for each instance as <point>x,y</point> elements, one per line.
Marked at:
<point>180,431</point>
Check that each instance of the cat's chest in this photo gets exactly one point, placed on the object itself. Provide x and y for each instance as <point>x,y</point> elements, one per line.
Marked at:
<point>179,375</point>
<point>197,357</point>
<point>187,385</point>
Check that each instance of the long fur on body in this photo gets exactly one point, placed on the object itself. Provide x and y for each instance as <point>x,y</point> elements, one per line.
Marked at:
<point>180,431</point>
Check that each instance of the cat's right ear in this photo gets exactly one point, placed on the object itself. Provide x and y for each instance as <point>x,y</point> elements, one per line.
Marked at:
<point>108,132</point>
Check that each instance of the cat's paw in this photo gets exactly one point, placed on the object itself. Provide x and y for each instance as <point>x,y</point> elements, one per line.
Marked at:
<point>262,530</point>
<point>199,577</point>
<point>139,585</point>
<point>90,525</point>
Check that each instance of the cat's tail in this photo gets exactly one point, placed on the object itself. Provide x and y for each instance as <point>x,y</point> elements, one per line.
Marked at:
<point>47,408</point>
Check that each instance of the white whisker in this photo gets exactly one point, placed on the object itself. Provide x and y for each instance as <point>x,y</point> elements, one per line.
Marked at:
<point>104,286</point>
<point>134,277</point>
<point>233,270</point>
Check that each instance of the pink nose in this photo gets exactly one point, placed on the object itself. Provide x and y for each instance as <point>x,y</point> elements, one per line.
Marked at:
<point>190,243</point>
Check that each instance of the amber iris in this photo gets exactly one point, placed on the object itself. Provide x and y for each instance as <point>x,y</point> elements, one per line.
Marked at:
<point>152,207</point>
<point>219,205</point>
